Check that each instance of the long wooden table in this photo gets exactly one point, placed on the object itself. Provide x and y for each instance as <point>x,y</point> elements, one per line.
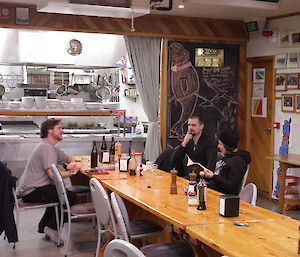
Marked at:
<point>151,192</point>
<point>259,239</point>
<point>287,161</point>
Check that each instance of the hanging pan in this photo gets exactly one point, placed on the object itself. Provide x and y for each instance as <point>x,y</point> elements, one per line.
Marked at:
<point>2,91</point>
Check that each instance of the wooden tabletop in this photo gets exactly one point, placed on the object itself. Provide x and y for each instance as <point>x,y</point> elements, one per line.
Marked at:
<point>290,158</point>
<point>152,193</point>
<point>259,239</point>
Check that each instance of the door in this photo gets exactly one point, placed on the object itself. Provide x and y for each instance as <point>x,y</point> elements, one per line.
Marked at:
<point>261,141</point>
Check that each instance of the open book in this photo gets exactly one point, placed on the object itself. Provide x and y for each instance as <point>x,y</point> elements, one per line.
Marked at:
<point>195,166</point>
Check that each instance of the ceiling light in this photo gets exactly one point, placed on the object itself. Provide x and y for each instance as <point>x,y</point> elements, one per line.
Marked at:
<point>180,5</point>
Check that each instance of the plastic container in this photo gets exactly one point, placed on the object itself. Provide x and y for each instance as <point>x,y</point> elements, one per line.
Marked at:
<point>139,130</point>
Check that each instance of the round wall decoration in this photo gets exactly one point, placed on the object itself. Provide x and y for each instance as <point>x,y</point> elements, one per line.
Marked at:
<point>74,47</point>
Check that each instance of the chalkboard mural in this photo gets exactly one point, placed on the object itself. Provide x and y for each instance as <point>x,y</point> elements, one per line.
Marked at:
<point>209,91</point>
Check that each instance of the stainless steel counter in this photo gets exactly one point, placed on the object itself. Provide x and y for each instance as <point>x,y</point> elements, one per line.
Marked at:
<point>15,150</point>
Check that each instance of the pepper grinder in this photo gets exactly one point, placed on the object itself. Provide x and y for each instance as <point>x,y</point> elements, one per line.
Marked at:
<point>173,183</point>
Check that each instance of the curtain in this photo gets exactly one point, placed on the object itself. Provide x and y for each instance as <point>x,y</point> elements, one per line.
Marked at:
<point>144,55</point>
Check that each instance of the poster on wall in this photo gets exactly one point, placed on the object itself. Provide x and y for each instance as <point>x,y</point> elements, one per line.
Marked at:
<point>284,39</point>
<point>280,82</point>
<point>280,62</point>
<point>292,81</point>
<point>259,107</point>
<point>293,60</point>
<point>287,103</point>
<point>208,90</point>
<point>297,103</point>
<point>258,89</point>
<point>259,75</point>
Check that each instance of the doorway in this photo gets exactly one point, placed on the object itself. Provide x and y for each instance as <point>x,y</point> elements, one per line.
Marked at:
<point>261,140</point>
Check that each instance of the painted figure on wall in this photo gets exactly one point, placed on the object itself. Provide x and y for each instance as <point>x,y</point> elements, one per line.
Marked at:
<point>209,91</point>
<point>184,85</point>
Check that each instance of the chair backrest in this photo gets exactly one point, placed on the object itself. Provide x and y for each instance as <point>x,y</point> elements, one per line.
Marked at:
<point>249,194</point>
<point>121,248</point>
<point>120,218</point>
<point>102,204</point>
<point>60,187</point>
<point>245,178</point>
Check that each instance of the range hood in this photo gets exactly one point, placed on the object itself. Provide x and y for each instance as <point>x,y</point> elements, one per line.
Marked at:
<point>102,8</point>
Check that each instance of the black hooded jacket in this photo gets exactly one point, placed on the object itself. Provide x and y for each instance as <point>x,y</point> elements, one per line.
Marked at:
<point>7,220</point>
<point>233,169</point>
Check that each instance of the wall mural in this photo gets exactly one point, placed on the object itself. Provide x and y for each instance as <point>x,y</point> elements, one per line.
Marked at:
<point>209,91</point>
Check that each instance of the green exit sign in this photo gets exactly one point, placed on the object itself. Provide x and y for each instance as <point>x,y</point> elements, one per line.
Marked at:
<point>251,26</point>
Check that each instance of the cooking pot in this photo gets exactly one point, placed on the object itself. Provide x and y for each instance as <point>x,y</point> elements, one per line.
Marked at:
<point>103,92</point>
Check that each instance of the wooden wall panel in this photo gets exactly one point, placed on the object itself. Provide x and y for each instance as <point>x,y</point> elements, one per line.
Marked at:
<point>148,25</point>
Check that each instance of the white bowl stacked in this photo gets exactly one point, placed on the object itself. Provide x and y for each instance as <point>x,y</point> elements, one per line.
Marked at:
<point>14,104</point>
<point>53,103</point>
<point>77,103</point>
<point>2,104</point>
<point>92,105</point>
<point>65,104</point>
<point>28,102</point>
<point>40,102</point>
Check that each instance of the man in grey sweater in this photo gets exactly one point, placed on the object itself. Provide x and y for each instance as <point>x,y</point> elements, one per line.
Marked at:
<point>36,183</point>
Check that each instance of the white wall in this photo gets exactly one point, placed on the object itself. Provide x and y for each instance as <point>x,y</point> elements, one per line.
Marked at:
<point>261,46</point>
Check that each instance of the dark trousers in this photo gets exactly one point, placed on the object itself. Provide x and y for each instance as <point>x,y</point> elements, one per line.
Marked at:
<point>48,194</point>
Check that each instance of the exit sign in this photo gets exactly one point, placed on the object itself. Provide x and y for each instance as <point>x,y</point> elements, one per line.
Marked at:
<point>251,26</point>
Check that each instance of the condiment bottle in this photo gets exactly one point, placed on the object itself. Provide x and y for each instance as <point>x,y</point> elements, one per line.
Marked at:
<point>192,190</point>
<point>118,150</point>
<point>104,153</point>
<point>201,192</point>
<point>173,189</point>
<point>94,156</point>
<point>132,164</point>
<point>112,151</point>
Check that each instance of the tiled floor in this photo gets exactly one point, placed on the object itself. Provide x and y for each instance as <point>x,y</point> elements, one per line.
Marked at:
<point>83,236</point>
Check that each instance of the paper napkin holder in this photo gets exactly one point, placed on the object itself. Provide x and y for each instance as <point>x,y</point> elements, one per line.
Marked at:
<point>229,205</point>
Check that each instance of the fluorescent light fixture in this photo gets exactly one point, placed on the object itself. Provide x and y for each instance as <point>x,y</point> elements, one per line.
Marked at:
<point>180,5</point>
<point>240,3</point>
<point>91,10</point>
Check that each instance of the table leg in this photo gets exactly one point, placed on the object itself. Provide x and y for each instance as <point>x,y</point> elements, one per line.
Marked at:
<point>284,168</point>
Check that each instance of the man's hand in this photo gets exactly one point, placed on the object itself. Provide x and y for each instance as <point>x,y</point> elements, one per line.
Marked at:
<point>187,138</point>
<point>208,173</point>
<point>74,167</point>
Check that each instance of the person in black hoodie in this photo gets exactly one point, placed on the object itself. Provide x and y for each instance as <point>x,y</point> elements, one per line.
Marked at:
<point>234,165</point>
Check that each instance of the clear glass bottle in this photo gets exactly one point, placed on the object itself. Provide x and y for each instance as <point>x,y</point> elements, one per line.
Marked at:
<point>132,164</point>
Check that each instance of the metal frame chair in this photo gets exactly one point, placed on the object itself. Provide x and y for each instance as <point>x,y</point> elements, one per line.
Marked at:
<point>249,194</point>
<point>74,212</point>
<point>174,249</point>
<point>23,206</point>
<point>121,248</point>
<point>137,229</point>
<point>103,210</point>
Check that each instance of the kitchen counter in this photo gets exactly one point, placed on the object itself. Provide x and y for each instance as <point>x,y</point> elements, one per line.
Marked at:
<point>15,150</point>
<point>22,111</point>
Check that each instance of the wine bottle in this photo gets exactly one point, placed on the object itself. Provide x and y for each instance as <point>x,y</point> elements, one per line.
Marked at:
<point>104,153</point>
<point>94,156</point>
<point>112,151</point>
